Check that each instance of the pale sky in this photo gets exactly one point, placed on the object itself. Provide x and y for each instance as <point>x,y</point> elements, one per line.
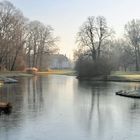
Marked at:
<point>66,16</point>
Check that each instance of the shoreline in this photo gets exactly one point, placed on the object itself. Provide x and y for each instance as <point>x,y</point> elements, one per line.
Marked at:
<point>111,78</point>
<point>129,94</point>
<point>14,74</point>
<point>9,77</point>
<point>57,72</point>
<point>132,77</point>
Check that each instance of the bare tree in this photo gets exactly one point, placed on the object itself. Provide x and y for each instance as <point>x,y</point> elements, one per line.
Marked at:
<point>12,24</point>
<point>39,42</point>
<point>92,35</point>
<point>121,54</point>
<point>132,30</point>
<point>20,38</point>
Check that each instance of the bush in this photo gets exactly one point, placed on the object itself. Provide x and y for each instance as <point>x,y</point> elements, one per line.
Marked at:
<point>90,68</point>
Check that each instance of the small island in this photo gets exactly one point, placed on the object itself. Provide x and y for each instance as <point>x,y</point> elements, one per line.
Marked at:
<point>131,94</point>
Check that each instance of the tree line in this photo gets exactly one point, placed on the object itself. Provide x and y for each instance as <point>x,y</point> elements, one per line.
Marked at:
<point>23,42</point>
<point>99,52</point>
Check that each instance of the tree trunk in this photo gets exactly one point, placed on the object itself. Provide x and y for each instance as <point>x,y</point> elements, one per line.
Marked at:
<point>137,65</point>
<point>13,64</point>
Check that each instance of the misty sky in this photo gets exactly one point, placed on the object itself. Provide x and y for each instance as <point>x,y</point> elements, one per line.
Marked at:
<point>66,16</point>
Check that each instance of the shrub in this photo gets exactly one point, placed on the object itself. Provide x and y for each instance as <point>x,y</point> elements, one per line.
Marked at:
<point>90,68</point>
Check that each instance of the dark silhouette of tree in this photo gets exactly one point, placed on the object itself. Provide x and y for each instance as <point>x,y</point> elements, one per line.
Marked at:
<point>92,35</point>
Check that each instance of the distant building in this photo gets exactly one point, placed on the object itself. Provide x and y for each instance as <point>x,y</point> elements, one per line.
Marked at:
<point>56,61</point>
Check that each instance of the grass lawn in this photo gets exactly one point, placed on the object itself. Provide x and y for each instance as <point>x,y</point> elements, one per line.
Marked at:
<point>14,74</point>
<point>58,72</point>
<point>125,76</point>
<point>24,74</point>
<point>118,76</point>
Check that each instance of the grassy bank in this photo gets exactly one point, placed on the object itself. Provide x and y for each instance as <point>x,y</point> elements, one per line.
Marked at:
<point>125,76</point>
<point>57,72</point>
<point>117,76</point>
<point>14,74</point>
<point>9,76</point>
<point>45,73</point>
